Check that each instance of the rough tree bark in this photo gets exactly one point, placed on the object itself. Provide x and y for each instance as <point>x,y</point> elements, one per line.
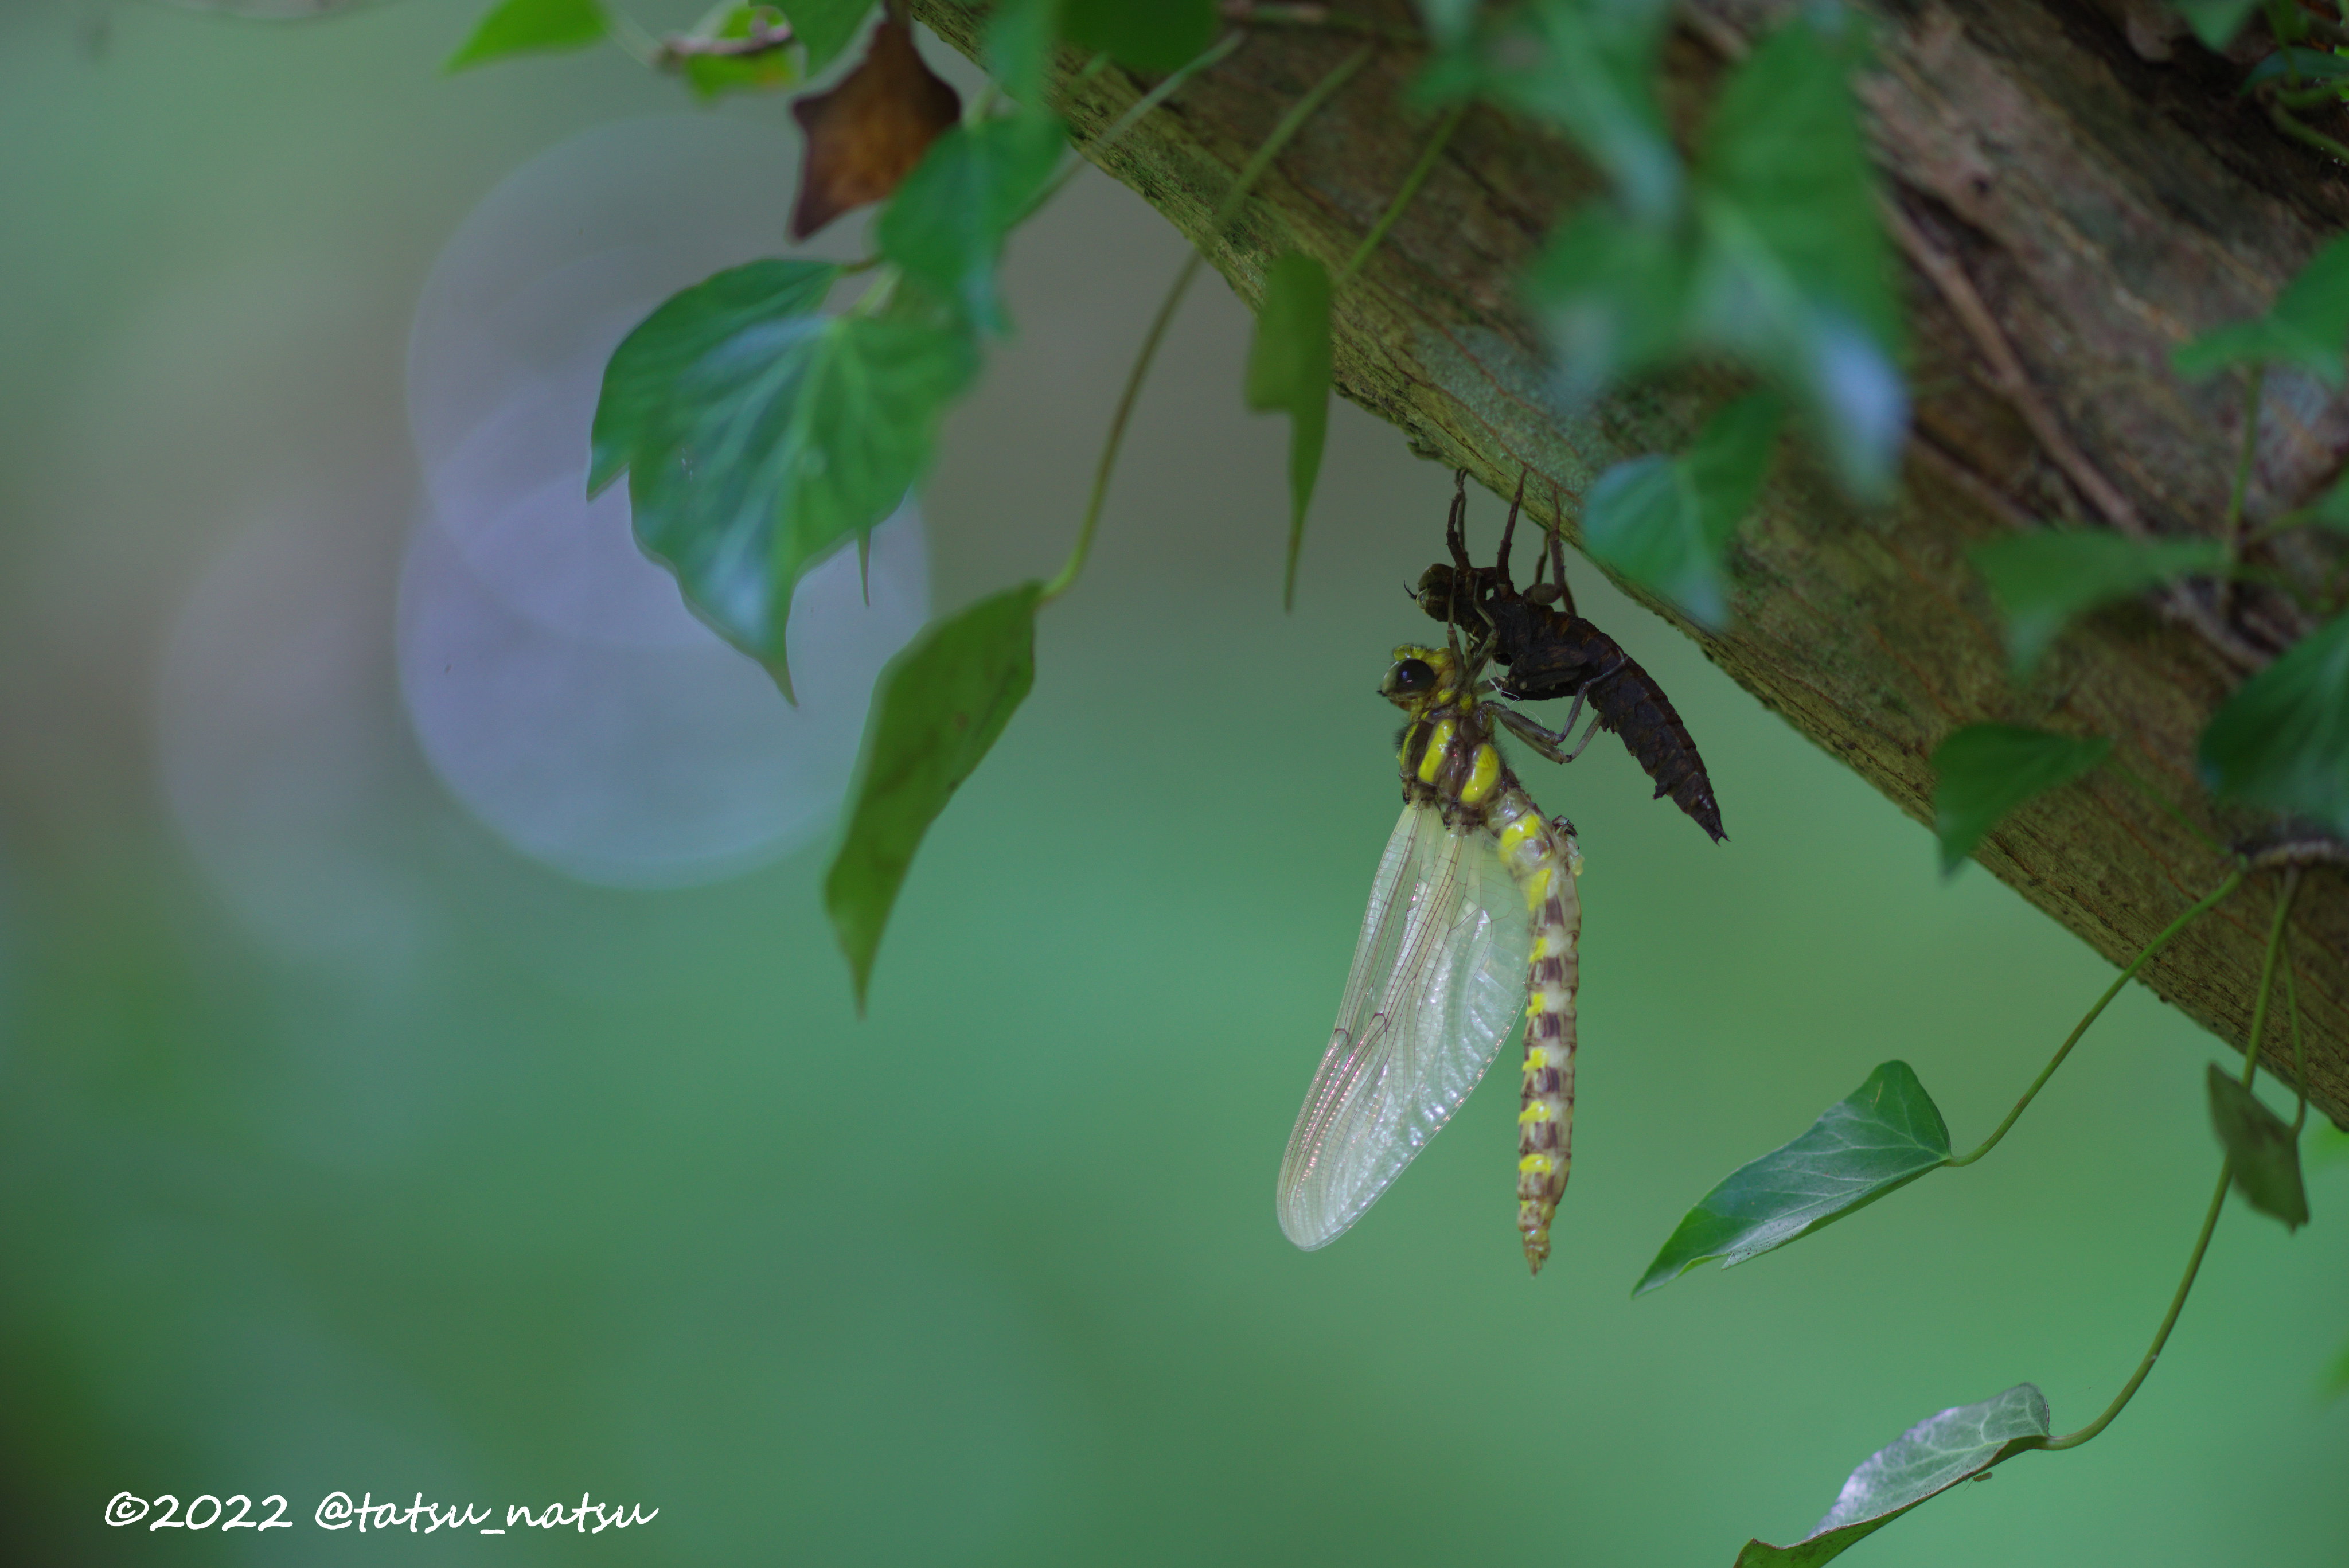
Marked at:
<point>2068,211</point>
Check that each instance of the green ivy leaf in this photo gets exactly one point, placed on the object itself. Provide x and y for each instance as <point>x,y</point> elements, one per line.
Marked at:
<point>2281,741</point>
<point>2306,328</point>
<point>1587,67</point>
<point>2042,580</point>
<point>2215,22</point>
<point>712,76</point>
<point>1666,523</point>
<point>824,27</point>
<point>1289,372</point>
<point>937,711</point>
<point>1984,771</point>
<point>759,436</point>
<point>530,26</point>
<point>1927,1460</point>
<point>1157,35</point>
<point>945,224</point>
<point>1780,262</point>
<point>2262,1150</point>
<point>1019,47</point>
<point>1884,1134</point>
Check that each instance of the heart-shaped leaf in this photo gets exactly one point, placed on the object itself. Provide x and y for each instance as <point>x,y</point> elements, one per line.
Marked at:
<point>945,224</point>
<point>2281,741</point>
<point>2306,328</point>
<point>865,135</point>
<point>1884,1136</point>
<point>1984,771</point>
<point>529,27</point>
<point>2262,1150</point>
<point>1779,261</point>
<point>1289,372</point>
<point>759,436</point>
<point>937,711</point>
<point>824,27</point>
<point>1666,523</point>
<point>2042,580</point>
<point>1157,35</point>
<point>1930,1458</point>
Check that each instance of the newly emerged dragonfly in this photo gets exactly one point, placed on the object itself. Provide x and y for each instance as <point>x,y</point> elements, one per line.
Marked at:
<point>1473,918</point>
<point>1550,651</point>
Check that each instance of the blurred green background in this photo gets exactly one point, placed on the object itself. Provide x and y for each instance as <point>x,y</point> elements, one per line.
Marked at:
<point>456,1175</point>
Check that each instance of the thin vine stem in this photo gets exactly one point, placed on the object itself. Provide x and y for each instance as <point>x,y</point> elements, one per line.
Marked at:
<point>2276,931</point>
<point>1411,184</point>
<point>2299,1050</point>
<point>2267,973</point>
<point>2283,120</point>
<point>2234,880</point>
<point>2169,1321</point>
<point>1250,172</point>
<point>1214,53</point>
<point>633,39</point>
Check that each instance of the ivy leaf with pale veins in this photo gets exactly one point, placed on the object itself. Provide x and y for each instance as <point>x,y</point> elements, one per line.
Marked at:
<point>2043,580</point>
<point>1927,1460</point>
<point>866,134</point>
<point>1779,261</point>
<point>1666,521</point>
<point>2281,741</point>
<point>531,26</point>
<point>945,226</point>
<point>713,76</point>
<point>824,27</point>
<point>1159,36</point>
<point>759,435</point>
<point>2262,1151</point>
<point>1984,771</point>
<point>1883,1135</point>
<point>937,711</point>
<point>2306,328</point>
<point>1289,372</point>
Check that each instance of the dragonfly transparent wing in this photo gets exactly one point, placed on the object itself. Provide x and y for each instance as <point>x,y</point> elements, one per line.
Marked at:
<point>1439,979</point>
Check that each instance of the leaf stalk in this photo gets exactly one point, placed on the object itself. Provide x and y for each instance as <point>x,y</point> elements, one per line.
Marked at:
<point>1253,171</point>
<point>2234,880</point>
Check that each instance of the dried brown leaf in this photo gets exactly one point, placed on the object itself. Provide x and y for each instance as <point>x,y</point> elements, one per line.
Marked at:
<point>868,134</point>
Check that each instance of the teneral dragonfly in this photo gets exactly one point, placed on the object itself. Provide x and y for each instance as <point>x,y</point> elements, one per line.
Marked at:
<point>1473,920</point>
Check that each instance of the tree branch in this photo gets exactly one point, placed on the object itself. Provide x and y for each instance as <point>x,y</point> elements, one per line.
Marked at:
<point>2099,209</point>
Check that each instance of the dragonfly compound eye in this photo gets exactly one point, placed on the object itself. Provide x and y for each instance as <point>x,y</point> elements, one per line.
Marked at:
<point>1411,677</point>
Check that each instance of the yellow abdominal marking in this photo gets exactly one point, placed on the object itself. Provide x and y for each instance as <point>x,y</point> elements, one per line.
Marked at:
<point>1439,741</point>
<point>1482,774</point>
<point>1537,1058</point>
<point>1513,836</point>
<point>1537,889</point>
<point>1537,1112</point>
<point>1538,1164</point>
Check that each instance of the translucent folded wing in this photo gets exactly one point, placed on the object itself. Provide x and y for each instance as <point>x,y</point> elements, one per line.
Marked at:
<point>1439,979</point>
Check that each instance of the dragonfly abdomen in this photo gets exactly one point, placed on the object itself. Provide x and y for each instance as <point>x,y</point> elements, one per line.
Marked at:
<point>1543,859</point>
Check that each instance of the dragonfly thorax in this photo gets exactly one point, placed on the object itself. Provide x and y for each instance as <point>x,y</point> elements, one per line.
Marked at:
<point>1446,753</point>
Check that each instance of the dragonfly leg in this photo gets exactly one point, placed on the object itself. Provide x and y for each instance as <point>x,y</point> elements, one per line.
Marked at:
<point>1509,532</point>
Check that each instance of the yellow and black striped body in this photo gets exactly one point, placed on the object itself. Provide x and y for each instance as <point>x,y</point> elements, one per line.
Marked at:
<point>1449,760</point>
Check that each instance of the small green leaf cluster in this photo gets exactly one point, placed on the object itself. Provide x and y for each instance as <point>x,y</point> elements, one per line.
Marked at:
<point>2280,743</point>
<point>1764,251</point>
<point>737,46</point>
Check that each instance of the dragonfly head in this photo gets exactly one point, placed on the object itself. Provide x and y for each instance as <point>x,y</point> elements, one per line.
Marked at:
<point>1422,679</point>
